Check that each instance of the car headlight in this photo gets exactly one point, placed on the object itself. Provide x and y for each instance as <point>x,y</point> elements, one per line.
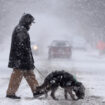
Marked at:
<point>35,47</point>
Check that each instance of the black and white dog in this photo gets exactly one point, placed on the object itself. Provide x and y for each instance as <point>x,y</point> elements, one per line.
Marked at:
<point>64,80</point>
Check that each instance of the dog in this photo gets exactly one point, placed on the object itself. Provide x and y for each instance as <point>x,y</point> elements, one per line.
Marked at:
<point>64,80</point>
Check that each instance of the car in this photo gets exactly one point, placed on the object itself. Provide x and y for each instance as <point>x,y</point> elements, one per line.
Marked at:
<point>59,49</point>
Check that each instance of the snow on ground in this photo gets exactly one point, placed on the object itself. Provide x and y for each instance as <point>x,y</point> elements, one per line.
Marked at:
<point>87,66</point>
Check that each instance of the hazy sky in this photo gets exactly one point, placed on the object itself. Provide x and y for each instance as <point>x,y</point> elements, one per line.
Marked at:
<point>55,19</point>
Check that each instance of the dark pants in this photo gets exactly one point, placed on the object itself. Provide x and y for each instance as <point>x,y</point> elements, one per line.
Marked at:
<point>16,78</point>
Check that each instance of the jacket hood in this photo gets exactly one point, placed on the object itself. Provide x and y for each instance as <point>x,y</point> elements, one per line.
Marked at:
<point>26,20</point>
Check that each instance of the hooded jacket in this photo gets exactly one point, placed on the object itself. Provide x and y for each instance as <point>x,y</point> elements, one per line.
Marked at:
<point>20,54</point>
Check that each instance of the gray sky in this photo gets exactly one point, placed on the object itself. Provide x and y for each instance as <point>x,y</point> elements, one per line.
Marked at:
<point>55,18</point>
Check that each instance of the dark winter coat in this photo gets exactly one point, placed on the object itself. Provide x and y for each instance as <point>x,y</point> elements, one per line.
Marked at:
<point>20,53</point>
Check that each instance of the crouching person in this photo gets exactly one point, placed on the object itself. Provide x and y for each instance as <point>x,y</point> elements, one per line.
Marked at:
<point>21,58</point>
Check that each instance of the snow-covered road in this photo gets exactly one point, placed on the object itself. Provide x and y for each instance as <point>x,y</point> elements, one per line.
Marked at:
<point>88,67</point>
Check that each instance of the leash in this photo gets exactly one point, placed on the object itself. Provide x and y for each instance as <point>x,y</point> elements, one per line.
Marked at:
<point>39,72</point>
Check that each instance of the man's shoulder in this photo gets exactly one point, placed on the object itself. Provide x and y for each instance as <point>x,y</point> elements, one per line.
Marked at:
<point>20,28</point>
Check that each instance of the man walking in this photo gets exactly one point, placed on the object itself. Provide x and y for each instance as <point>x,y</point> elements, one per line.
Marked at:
<point>21,58</point>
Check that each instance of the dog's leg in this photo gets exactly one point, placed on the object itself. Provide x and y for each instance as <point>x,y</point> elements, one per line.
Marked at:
<point>70,91</point>
<point>65,94</point>
<point>47,89</point>
<point>46,95</point>
<point>72,95</point>
<point>53,93</point>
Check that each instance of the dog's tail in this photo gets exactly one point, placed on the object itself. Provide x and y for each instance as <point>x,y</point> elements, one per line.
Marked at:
<point>44,87</point>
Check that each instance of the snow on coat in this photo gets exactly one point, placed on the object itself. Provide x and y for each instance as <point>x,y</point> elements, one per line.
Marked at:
<point>20,54</point>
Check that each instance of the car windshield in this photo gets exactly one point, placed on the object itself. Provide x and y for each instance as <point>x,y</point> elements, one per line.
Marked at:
<point>60,44</point>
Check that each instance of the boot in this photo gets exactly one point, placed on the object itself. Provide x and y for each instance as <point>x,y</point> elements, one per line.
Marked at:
<point>13,97</point>
<point>37,94</point>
